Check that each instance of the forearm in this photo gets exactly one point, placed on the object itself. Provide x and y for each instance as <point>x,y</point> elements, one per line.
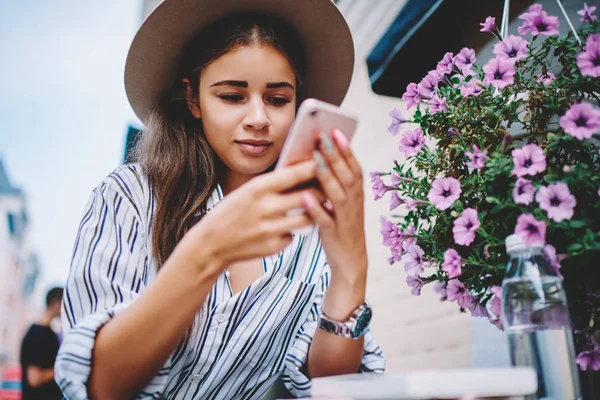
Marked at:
<point>330,354</point>
<point>130,349</point>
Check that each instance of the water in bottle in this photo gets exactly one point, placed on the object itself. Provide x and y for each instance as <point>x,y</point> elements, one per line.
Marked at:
<point>536,319</point>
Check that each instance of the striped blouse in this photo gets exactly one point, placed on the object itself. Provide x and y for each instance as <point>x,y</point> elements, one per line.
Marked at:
<point>241,343</point>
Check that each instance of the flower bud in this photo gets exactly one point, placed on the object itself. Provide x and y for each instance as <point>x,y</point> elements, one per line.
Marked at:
<point>453,131</point>
<point>567,169</point>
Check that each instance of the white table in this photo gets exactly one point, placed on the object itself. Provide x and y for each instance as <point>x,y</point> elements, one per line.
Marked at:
<point>429,384</point>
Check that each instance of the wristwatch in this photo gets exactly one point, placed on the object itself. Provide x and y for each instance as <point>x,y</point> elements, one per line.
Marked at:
<point>355,327</point>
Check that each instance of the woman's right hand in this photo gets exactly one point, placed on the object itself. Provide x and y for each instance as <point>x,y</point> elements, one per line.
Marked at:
<point>252,221</point>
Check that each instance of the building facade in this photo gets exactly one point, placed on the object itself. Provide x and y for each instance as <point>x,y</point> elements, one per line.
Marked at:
<point>19,270</point>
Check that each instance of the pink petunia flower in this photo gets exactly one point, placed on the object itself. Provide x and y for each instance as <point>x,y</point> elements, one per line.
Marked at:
<point>396,201</point>
<point>582,120</point>
<point>446,64</point>
<point>411,204</point>
<point>437,104</point>
<point>375,174</point>
<point>412,142</point>
<point>589,359</point>
<point>589,60</point>
<point>465,58</point>
<point>531,230</point>
<point>488,25</point>
<point>557,201</point>
<point>412,97</point>
<point>546,79</point>
<point>380,188</point>
<point>477,309</point>
<point>413,261</point>
<point>452,263</point>
<point>389,231</point>
<point>440,288</point>
<point>472,88</point>
<point>444,192</point>
<point>523,192</point>
<point>465,227</point>
<point>537,22</point>
<point>587,13</point>
<point>550,253</point>
<point>428,85</point>
<point>498,323</point>
<point>415,283</point>
<point>496,302</point>
<point>477,157</point>
<point>512,47</point>
<point>457,292</point>
<point>528,160</point>
<point>408,237</point>
<point>499,72</point>
<point>397,121</point>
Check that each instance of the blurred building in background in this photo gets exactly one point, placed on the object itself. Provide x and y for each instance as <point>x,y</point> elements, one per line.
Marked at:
<point>19,270</point>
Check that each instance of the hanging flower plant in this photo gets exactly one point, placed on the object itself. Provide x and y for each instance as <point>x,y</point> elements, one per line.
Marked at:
<point>507,147</point>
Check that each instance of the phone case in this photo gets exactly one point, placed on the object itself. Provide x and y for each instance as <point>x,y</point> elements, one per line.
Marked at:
<point>313,117</point>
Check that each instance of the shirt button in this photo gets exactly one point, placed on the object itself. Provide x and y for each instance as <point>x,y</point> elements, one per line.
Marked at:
<point>221,318</point>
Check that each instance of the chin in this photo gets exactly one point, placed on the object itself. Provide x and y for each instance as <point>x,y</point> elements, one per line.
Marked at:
<point>252,167</point>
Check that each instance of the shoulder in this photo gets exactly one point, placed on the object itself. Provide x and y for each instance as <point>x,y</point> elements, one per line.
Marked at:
<point>130,183</point>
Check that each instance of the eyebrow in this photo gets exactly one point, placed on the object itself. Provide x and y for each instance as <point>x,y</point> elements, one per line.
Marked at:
<point>244,84</point>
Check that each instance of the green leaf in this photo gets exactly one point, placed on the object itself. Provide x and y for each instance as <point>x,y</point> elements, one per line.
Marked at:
<point>578,223</point>
<point>574,247</point>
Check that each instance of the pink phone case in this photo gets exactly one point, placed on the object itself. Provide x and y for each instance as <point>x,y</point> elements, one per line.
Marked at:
<point>313,117</point>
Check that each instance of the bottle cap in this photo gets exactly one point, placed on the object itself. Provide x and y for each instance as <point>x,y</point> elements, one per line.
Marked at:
<point>515,242</point>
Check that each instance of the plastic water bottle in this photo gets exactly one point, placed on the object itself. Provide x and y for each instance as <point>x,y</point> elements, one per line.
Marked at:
<point>536,319</point>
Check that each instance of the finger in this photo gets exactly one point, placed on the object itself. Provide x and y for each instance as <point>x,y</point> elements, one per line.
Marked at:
<point>332,188</point>
<point>280,204</point>
<point>290,223</point>
<point>336,161</point>
<point>344,145</point>
<point>287,177</point>
<point>317,212</point>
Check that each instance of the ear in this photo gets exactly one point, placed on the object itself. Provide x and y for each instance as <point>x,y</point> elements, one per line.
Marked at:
<point>191,100</point>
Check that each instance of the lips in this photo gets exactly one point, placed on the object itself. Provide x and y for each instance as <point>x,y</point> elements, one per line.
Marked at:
<point>254,147</point>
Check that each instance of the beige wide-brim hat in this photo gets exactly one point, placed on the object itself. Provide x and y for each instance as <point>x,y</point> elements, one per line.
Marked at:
<point>155,54</point>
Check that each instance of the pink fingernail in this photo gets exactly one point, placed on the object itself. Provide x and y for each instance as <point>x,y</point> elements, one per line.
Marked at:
<point>309,201</point>
<point>340,139</point>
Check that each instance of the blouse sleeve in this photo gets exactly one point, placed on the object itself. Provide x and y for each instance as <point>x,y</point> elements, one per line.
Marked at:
<point>109,268</point>
<point>294,376</point>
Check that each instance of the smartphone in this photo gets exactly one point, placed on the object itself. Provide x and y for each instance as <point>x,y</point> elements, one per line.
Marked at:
<point>313,117</point>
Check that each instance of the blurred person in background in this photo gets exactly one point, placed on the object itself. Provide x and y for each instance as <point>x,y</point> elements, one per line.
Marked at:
<point>38,352</point>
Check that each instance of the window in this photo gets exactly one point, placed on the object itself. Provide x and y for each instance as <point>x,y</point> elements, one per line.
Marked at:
<point>12,228</point>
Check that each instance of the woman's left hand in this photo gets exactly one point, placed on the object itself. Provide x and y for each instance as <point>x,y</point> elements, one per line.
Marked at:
<point>341,227</point>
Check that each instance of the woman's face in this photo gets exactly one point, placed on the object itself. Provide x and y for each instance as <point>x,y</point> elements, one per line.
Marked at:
<point>247,102</point>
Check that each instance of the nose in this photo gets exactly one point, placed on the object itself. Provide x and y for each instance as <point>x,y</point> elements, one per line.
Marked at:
<point>256,118</point>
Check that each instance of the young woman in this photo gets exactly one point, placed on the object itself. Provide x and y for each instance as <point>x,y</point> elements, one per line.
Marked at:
<point>186,281</point>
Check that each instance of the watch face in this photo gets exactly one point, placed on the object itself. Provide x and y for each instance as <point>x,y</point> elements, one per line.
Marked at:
<point>362,323</point>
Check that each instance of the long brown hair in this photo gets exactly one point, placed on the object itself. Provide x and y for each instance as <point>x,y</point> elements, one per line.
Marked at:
<point>173,151</point>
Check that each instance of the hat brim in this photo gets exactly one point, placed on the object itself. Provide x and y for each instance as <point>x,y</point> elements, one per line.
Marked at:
<point>155,53</point>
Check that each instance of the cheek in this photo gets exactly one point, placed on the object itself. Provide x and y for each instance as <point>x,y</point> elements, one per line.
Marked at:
<point>282,122</point>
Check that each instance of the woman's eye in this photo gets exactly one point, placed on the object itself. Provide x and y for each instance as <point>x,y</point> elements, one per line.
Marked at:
<point>279,101</point>
<point>231,97</point>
